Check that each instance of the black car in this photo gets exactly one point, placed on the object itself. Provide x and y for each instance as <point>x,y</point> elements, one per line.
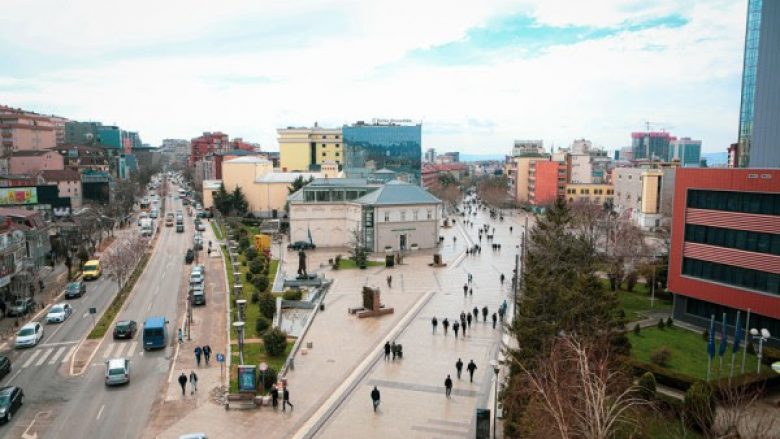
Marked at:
<point>5,366</point>
<point>11,398</point>
<point>21,307</point>
<point>125,329</point>
<point>190,256</point>
<point>75,289</point>
<point>301,245</point>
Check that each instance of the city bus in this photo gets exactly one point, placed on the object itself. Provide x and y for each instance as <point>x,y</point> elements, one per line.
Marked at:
<point>155,333</point>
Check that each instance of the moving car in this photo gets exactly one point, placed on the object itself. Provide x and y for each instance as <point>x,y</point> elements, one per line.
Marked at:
<point>59,312</point>
<point>125,329</point>
<point>198,242</point>
<point>117,371</point>
<point>21,307</point>
<point>169,220</point>
<point>155,213</point>
<point>301,245</point>
<point>11,399</point>
<point>190,256</point>
<point>91,270</point>
<point>75,289</point>
<point>5,366</point>
<point>29,335</point>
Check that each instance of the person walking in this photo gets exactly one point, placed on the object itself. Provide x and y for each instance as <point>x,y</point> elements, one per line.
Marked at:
<point>389,281</point>
<point>468,319</point>
<point>274,396</point>
<point>462,317</point>
<point>207,353</point>
<point>286,399</point>
<point>455,327</point>
<point>471,291</point>
<point>471,368</point>
<point>193,382</point>
<point>495,318</point>
<point>434,323</point>
<point>448,386</point>
<point>501,313</point>
<point>476,314</point>
<point>446,324</point>
<point>459,366</point>
<point>387,350</point>
<point>375,398</point>
<point>465,289</point>
<point>502,278</point>
<point>484,313</point>
<point>198,352</point>
<point>181,336</point>
<point>183,383</point>
<point>393,349</point>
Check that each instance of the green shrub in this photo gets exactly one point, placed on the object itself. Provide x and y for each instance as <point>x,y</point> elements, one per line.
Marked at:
<point>661,356</point>
<point>705,335</point>
<point>260,283</point>
<point>292,295</point>
<point>255,297</point>
<point>637,329</point>
<point>699,407</point>
<point>243,244</point>
<point>337,262</point>
<point>646,386</point>
<point>251,253</point>
<point>669,322</point>
<point>267,378</point>
<point>256,266</point>
<point>751,350</point>
<point>275,341</point>
<point>267,304</point>
<point>261,324</point>
<point>661,324</point>
<point>249,276</point>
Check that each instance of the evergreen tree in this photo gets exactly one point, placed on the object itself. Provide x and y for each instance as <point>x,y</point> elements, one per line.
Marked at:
<point>222,200</point>
<point>238,202</point>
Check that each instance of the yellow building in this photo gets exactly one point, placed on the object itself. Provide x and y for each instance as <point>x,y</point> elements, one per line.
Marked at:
<point>589,193</point>
<point>243,171</point>
<point>305,149</point>
<point>209,187</point>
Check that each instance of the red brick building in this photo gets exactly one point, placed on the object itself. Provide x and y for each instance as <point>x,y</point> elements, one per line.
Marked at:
<point>430,173</point>
<point>725,249</point>
<point>208,143</point>
<point>546,181</point>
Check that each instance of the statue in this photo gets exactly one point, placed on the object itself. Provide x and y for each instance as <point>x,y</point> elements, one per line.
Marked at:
<point>302,264</point>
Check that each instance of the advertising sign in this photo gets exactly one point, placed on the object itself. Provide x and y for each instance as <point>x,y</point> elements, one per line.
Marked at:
<point>247,378</point>
<point>18,195</point>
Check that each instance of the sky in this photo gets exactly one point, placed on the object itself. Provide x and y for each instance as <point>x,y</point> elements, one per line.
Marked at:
<point>477,74</point>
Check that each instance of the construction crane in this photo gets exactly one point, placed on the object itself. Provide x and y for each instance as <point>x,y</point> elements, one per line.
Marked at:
<point>662,125</point>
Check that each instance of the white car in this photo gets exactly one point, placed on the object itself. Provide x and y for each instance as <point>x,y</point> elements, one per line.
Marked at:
<point>29,335</point>
<point>117,371</point>
<point>196,278</point>
<point>59,312</point>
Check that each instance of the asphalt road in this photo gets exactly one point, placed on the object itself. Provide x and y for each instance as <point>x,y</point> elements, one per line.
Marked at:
<point>59,406</point>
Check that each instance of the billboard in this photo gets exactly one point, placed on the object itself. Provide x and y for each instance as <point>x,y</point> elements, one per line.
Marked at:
<point>18,195</point>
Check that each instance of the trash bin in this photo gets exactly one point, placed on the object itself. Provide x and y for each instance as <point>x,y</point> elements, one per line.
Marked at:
<point>322,306</point>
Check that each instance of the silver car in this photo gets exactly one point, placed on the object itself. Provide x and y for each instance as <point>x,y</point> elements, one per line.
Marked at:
<point>117,371</point>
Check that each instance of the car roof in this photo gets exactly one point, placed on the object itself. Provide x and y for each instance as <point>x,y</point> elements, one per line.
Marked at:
<point>7,389</point>
<point>93,260</point>
<point>117,362</point>
<point>29,325</point>
<point>123,322</point>
<point>74,283</point>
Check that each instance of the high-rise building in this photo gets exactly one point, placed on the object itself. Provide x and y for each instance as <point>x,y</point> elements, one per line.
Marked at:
<point>547,181</point>
<point>725,249</point>
<point>208,143</point>
<point>303,149</point>
<point>527,147</point>
<point>687,151</point>
<point>759,110</point>
<point>652,145</point>
<point>384,144</point>
<point>25,131</point>
<point>430,155</point>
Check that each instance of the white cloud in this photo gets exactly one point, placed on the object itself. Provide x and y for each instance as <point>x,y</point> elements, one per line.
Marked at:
<point>598,89</point>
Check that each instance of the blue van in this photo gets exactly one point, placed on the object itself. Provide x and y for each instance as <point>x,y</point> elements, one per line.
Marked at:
<point>155,332</point>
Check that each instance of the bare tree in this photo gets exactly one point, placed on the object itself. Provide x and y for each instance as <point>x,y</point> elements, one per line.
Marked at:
<point>740,414</point>
<point>588,219</point>
<point>625,245</point>
<point>121,259</point>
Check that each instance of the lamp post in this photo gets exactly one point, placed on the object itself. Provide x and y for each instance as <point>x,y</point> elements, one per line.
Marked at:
<point>761,336</point>
<point>240,332</point>
<point>652,288</point>
<point>496,369</point>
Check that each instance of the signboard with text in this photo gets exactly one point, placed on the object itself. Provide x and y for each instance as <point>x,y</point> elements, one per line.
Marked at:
<point>247,378</point>
<point>18,195</point>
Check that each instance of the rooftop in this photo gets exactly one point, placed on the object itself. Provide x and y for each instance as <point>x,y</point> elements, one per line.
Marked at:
<point>61,175</point>
<point>247,159</point>
<point>286,177</point>
<point>398,192</point>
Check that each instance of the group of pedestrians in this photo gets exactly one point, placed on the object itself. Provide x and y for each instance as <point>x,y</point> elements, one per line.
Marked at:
<point>193,380</point>
<point>396,350</point>
<point>285,397</point>
<point>204,352</point>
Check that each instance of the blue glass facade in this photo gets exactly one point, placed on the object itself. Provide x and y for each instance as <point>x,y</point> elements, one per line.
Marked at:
<point>749,67</point>
<point>384,146</point>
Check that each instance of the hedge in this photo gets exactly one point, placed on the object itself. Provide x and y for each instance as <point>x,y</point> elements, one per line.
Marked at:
<point>116,305</point>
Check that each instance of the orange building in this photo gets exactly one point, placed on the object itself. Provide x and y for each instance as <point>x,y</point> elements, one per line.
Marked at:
<point>546,181</point>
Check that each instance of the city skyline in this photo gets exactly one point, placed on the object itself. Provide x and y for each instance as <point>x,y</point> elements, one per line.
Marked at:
<point>478,76</point>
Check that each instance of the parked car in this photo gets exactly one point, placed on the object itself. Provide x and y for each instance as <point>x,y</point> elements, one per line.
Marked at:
<point>21,307</point>
<point>198,242</point>
<point>190,256</point>
<point>200,227</point>
<point>117,371</point>
<point>59,313</point>
<point>75,289</point>
<point>125,329</point>
<point>29,335</point>
<point>5,366</point>
<point>11,399</point>
<point>301,245</point>
<point>196,278</point>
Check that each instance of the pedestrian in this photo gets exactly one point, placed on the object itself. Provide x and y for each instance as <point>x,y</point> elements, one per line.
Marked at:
<point>484,313</point>
<point>471,278</point>
<point>462,318</point>
<point>387,350</point>
<point>274,396</point>
<point>510,229</point>
<point>471,291</point>
<point>286,399</point>
<point>183,383</point>
<point>502,278</point>
<point>393,349</point>
<point>448,386</point>
<point>468,319</point>
<point>181,336</point>
<point>476,314</point>
<point>208,252</point>
<point>446,324</point>
<point>207,353</point>
<point>389,281</point>
<point>193,382</point>
<point>375,398</point>
<point>459,366</point>
<point>465,289</point>
<point>198,352</point>
<point>494,320</point>
<point>435,323</point>
<point>501,313</point>
<point>455,327</point>
<point>471,368</point>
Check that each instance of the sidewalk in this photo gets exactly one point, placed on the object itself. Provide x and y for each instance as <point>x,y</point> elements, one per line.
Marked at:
<point>54,281</point>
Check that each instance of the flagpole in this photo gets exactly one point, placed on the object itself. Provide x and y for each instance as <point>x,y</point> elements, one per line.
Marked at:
<point>723,344</point>
<point>747,333</point>
<point>710,346</point>
<point>736,343</point>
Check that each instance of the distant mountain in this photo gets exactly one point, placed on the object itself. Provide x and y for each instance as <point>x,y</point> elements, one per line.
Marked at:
<point>716,158</point>
<point>481,157</point>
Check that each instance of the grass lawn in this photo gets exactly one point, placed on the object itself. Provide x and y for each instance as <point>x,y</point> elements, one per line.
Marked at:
<point>218,232</point>
<point>657,425</point>
<point>689,352</point>
<point>346,263</point>
<point>637,302</point>
<point>252,310</point>
<point>254,353</point>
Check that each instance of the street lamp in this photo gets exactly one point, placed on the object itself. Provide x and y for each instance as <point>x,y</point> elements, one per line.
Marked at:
<point>761,336</point>
<point>652,288</point>
<point>496,369</point>
<point>240,332</point>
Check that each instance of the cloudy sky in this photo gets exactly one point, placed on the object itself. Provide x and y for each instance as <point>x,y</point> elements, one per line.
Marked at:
<point>478,74</point>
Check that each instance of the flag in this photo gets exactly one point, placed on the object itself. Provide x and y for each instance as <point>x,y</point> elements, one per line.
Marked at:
<point>310,240</point>
<point>724,341</point>
<point>737,335</point>
<point>711,341</point>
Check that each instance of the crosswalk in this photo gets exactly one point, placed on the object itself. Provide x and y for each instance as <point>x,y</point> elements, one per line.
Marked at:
<point>47,355</point>
<point>121,350</point>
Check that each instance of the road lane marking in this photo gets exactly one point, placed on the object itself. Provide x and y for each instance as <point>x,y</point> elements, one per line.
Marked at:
<point>85,315</point>
<point>14,376</point>
<point>149,308</point>
<point>57,355</point>
<point>132,350</point>
<point>62,343</point>
<point>31,359</point>
<point>70,352</point>
<point>43,356</point>
<point>100,412</point>
<point>119,350</point>
<point>107,352</point>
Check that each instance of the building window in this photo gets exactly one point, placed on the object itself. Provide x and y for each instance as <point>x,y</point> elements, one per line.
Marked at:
<point>387,216</point>
<point>731,275</point>
<point>337,154</point>
<point>324,137</point>
<point>745,202</point>
<point>323,145</point>
<point>430,214</point>
<point>403,215</point>
<point>737,239</point>
<point>414,214</point>
<point>324,153</point>
<point>337,145</point>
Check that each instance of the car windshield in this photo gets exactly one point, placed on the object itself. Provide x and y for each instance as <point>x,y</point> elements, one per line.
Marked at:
<point>56,309</point>
<point>116,371</point>
<point>27,331</point>
<point>5,399</point>
<point>122,325</point>
<point>19,303</point>
<point>90,267</point>
<point>73,286</point>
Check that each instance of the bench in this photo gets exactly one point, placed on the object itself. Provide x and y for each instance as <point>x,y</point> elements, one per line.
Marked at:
<point>240,401</point>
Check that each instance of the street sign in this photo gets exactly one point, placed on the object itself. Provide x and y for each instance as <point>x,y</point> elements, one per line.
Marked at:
<point>263,367</point>
<point>93,310</point>
<point>220,358</point>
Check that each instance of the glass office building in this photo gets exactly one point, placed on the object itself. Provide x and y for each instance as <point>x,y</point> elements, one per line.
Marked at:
<point>760,106</point>
<point>396,146</point>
